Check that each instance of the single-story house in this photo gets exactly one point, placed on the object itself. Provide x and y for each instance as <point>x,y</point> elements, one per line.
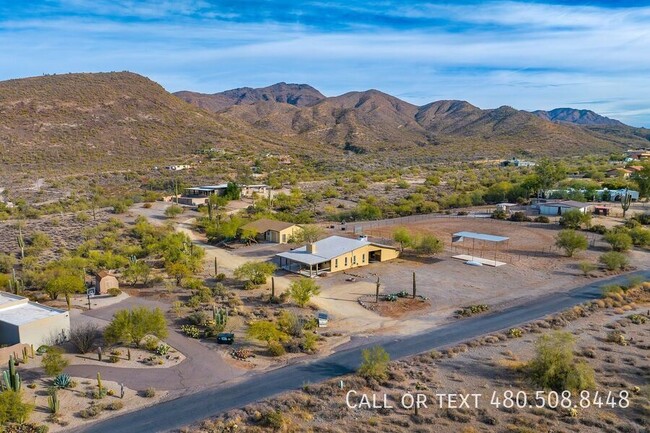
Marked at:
<point>618,172</point>
<point>198,195</point>
<point>22,321</point>
<point>335,253</point>
<point>268,230</point>
<point>560,207</point>
<point>105,281</point>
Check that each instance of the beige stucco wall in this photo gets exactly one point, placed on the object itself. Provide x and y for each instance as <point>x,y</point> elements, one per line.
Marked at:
<point>360,257</point>
<point>42,331</point>
<point>286,234</point>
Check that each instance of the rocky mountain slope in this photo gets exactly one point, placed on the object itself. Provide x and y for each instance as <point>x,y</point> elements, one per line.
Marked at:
<point>123,120</point>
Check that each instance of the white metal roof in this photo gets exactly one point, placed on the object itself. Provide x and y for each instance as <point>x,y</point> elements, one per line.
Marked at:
<point>481,236</point>
<point>28,312</point>
<point>8,298</point>
<point>326,250</point>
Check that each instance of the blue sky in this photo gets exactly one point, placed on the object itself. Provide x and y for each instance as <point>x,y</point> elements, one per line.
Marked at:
<point>526,54</point>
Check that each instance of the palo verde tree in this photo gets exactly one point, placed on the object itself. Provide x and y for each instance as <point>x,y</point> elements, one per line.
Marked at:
<point>571,241</point>
<point>403,237</point>
<point>131,326</point>
<point>374,363</point>
<point>554,366</point>
<point>255,273</point>
<point>302,290</point>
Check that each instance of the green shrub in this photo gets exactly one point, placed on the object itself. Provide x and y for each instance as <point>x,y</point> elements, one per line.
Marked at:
<point>131,326</point>
<point>115,405</point>
<point>13,409</point>
<point>611,290</point>
<point>53,361</point>
<point>191,331</point>
<point>617,337</point>
<point>614,260</point>
<point>637,319</point>
<point>276,348</point>
<point>554,366</point>
<point>619,241</point>
<point>571,241</point>
<point>598,228</point>
<point>587,268</point>
<point>91,411</point>
<point>273,419</point>
<point>150,343</point>
<point>519,217</point>
<point>149,392</point>
<point>114,291</point>
<point>374,363</point>
<point>542,219</point>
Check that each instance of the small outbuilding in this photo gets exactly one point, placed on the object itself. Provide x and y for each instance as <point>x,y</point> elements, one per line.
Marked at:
<point>278,232</point>
<point>25,322</point>
<point>105,281</point>
<point>561,207</point>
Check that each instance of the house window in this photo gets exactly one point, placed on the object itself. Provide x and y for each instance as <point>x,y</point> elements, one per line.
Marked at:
<point>336,263</point>
<point>346,261</point>
<point>354,260</point>
<point>363,258</point>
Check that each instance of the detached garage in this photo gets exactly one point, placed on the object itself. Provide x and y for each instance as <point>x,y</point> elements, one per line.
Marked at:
<point>22,321</point>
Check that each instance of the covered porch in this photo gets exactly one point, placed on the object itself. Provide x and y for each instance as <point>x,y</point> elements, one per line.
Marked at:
<point>307,269</point>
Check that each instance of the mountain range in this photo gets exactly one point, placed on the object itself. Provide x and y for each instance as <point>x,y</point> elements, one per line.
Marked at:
<point>122,120</point>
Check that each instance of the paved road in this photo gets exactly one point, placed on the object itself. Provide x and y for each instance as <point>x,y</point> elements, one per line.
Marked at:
<point>173,414</point>
<point>204,367</point>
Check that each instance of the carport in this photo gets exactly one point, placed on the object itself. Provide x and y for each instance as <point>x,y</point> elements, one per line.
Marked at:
<point>482,237</point>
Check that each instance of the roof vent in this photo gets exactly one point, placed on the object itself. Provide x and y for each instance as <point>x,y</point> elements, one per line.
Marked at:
<point>362,238</point>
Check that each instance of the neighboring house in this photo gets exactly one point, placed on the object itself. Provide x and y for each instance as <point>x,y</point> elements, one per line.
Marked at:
<point>560,207</point>
<point>105,281</point>
<point>506,207</point>
<point>25,322</point>
<point>618,172</point>
<point>333,254</point>
<point>197,195</point>
<point>279,232</point>
<point>514,162</point>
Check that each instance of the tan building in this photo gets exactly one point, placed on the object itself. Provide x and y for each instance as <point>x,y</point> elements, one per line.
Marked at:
<point>334,254</point>
<point>22,321</point>
<point>279,232</point>
<point>105,281</point>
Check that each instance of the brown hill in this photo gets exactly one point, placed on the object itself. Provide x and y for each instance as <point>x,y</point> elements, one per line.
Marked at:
<point>104,120</point>
<point>300,95</point>
<point>122,120</point>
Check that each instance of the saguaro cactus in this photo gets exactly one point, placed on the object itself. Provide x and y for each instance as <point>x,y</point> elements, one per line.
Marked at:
<point>53,402</point>
<point>10,378</point>
<point>220,316</point>
<point>21,242</point>
<point>99,382</point>
<point>626,201</point>
<point>377,291</point>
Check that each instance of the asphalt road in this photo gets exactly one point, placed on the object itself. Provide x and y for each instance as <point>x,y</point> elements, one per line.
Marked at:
<point>185,410</point>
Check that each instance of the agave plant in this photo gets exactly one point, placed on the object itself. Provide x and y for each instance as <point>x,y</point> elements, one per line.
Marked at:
<point>62,381</point>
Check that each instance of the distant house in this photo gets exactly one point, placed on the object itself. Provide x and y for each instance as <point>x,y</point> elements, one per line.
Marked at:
<point>105,281</point>
<point>506,207</point>
<point>561,207</point>
<point>177,167</point>
<point>618,172</point>
<point>514,162</point>
<point>198,195</point>
<point>25,322</point>
<point>268,230</point>
<point>639,154</point>
<point>333,254</point>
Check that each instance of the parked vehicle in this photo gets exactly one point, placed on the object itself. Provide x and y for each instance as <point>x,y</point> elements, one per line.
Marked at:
<point>225,338</point>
